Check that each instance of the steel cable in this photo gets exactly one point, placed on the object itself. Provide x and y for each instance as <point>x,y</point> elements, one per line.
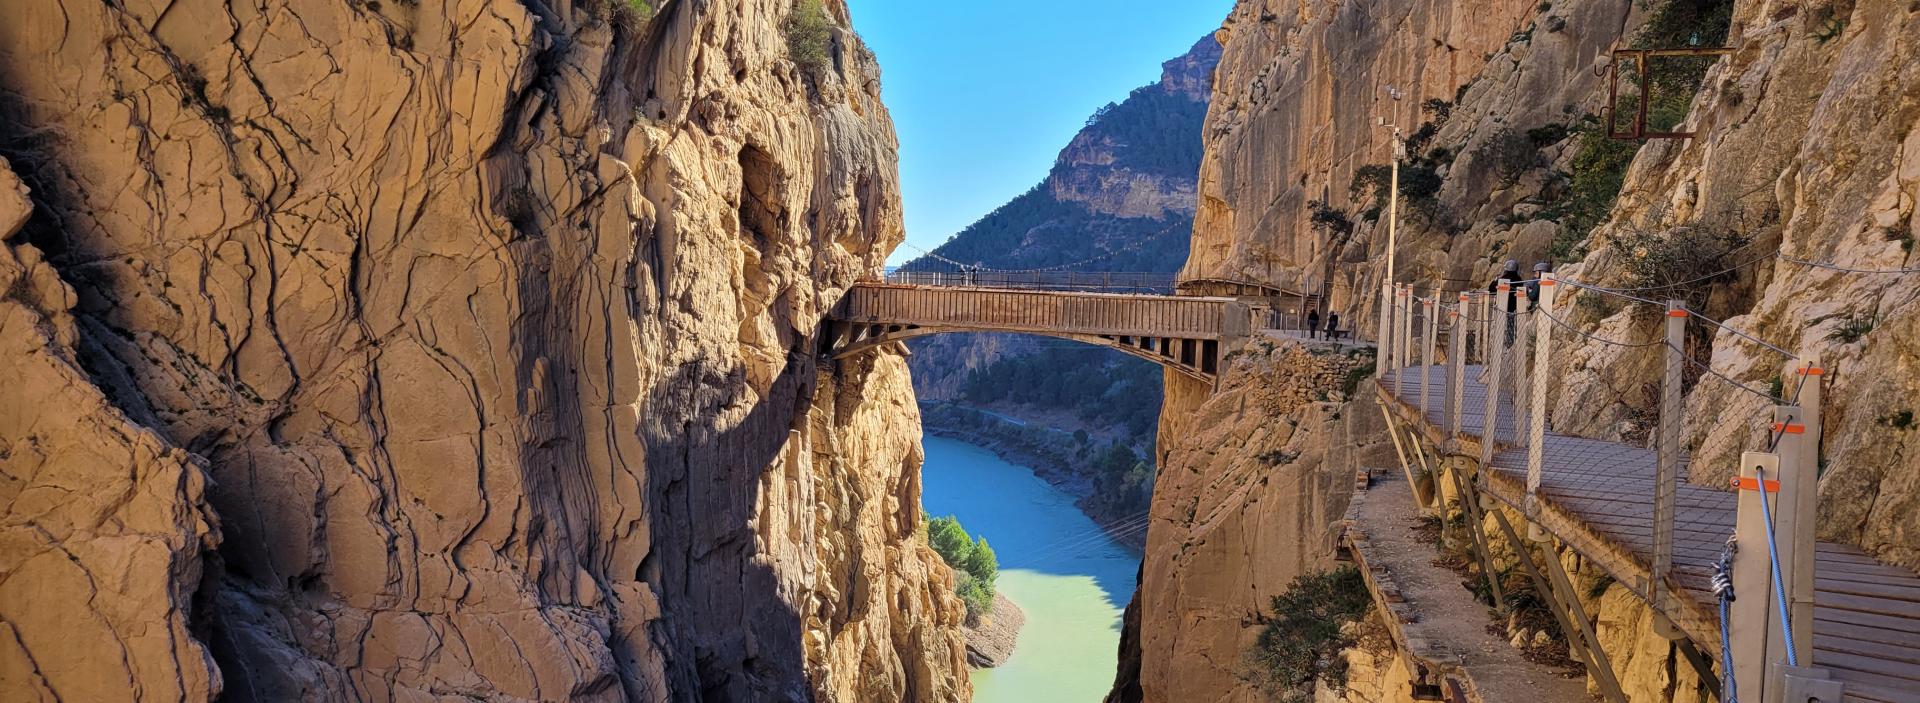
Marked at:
<point>1563,325</point>
<point>1844,269</point>
<point>1708,369</point>
<point>1737,333</point>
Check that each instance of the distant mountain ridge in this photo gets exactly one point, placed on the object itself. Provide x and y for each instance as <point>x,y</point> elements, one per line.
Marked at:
<point>1123,190</point>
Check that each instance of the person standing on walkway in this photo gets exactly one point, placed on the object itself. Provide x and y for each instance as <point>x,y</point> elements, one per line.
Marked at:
<point>1313,323</point>
<point>1511,277</point>
<point>1333,325</point>
<point>1533,286</point>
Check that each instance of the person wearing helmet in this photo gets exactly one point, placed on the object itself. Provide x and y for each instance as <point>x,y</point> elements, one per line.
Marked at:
<point>1533,286</point>
<point>1511,277</point>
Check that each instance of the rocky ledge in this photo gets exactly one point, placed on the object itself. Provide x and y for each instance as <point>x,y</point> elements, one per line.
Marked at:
<point>991,637</point>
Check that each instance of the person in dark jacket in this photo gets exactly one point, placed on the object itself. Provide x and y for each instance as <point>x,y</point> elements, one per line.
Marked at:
<point>1313,323</point>
<point>1511,277</point>
<point>1533,286</point>
<point>1333,325</point>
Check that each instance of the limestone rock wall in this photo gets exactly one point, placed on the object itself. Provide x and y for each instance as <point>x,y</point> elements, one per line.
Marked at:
<point>101,540</point>
<point>1250,480</point>
<point>1297,100</point>
<point>1810,146</point>
<point>484,329</point>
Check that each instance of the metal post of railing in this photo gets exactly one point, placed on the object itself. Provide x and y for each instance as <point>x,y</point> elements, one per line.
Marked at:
<point>1666,480</point>
<point>1397,362</point>
<point>1490,424</point>
<point>1536,434</point>
<point>1521,338</point>
<point>1431,307</point>
<point>1406,330</point>
<point>1486,327</point>
<point>1457,375</point>
<point>1800,469</point>
<point>1479,349</point>
<point>1380,341</point>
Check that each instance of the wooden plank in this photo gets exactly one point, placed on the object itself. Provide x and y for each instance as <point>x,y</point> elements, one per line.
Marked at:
<point>1867,693</point>
<point>1850,668</point>
<point>1904,662</point>
<point>1891,629</point>
<point>1903,609</point>
<point>1865,588</point>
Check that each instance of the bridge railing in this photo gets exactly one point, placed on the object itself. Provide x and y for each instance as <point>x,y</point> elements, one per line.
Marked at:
<point>1096,281</point>
<point>1046,311</point>
<point>1497,364</point>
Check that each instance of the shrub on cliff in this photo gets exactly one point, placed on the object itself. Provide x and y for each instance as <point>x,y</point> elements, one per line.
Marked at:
<point>1301,641</point>
<point>632,14</point>
<point>974,564</point>
<point>809,36</point>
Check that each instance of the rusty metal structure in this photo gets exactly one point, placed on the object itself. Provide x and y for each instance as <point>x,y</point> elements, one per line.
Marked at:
<point>1640,59</point>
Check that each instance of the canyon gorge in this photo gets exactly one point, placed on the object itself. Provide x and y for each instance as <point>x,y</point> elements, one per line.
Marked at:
<point>469,349</point>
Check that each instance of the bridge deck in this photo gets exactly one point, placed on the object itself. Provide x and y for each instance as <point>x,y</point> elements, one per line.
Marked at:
<point>1598,497</point>
<point>1042,311</point>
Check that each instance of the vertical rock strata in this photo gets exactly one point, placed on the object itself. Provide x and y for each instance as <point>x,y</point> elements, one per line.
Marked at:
<point>1808,145</point>
<point>483,326</point>
<point>1252,478</point>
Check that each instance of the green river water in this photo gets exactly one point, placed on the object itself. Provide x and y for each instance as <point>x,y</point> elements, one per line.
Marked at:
<point>1055,563</point>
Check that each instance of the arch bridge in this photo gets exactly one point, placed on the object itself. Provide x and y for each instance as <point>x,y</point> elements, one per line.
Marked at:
<point>1189,334</point>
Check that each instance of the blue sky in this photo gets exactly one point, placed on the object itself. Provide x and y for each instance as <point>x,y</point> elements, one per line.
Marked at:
<point>985,93</point>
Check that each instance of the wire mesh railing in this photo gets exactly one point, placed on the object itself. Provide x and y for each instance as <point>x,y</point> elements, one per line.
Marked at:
<point>1096,281</point>
<point>1497,361</point>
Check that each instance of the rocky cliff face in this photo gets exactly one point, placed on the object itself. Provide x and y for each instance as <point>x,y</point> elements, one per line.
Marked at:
<point>1108,166</point>
<point>481,330</point>
<point>1300,88</point>
<point>1810,147</point>
<point>1251,479</point>
<point>1807,147</point>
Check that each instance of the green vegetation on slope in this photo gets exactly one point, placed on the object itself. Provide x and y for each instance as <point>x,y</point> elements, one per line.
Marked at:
<point>1599,166</point>
<point>1096,385</point>
<point>1036,230</point>
<point>1302,639</point>
<point>809,35</point>
<point>974,565</point>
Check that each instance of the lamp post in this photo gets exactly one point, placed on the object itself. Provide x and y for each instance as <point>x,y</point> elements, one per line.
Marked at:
<point>1393,220</point>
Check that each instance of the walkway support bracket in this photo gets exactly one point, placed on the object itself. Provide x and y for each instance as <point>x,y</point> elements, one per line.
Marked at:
<point>1602,669</point>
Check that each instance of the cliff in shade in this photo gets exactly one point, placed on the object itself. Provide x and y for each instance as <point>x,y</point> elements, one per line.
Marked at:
<point>1809,145</point>
<point>456,349</point>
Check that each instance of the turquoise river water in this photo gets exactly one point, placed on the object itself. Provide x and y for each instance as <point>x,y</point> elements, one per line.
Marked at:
<point>1055,563</point>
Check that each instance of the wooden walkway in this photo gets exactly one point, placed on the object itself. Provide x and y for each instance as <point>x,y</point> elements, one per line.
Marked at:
<point>1597,497</point>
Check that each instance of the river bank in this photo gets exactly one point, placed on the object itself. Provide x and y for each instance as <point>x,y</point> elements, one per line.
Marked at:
<point>1057,456</point>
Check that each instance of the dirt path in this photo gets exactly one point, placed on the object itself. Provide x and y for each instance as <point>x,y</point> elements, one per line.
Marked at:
<point>1451,626</point>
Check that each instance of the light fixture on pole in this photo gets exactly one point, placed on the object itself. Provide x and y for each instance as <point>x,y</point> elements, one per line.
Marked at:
<point>1393,219</point>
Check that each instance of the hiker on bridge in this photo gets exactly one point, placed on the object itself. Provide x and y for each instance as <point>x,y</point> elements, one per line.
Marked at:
<point>1333,325</point>
<point>1313,323</point>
